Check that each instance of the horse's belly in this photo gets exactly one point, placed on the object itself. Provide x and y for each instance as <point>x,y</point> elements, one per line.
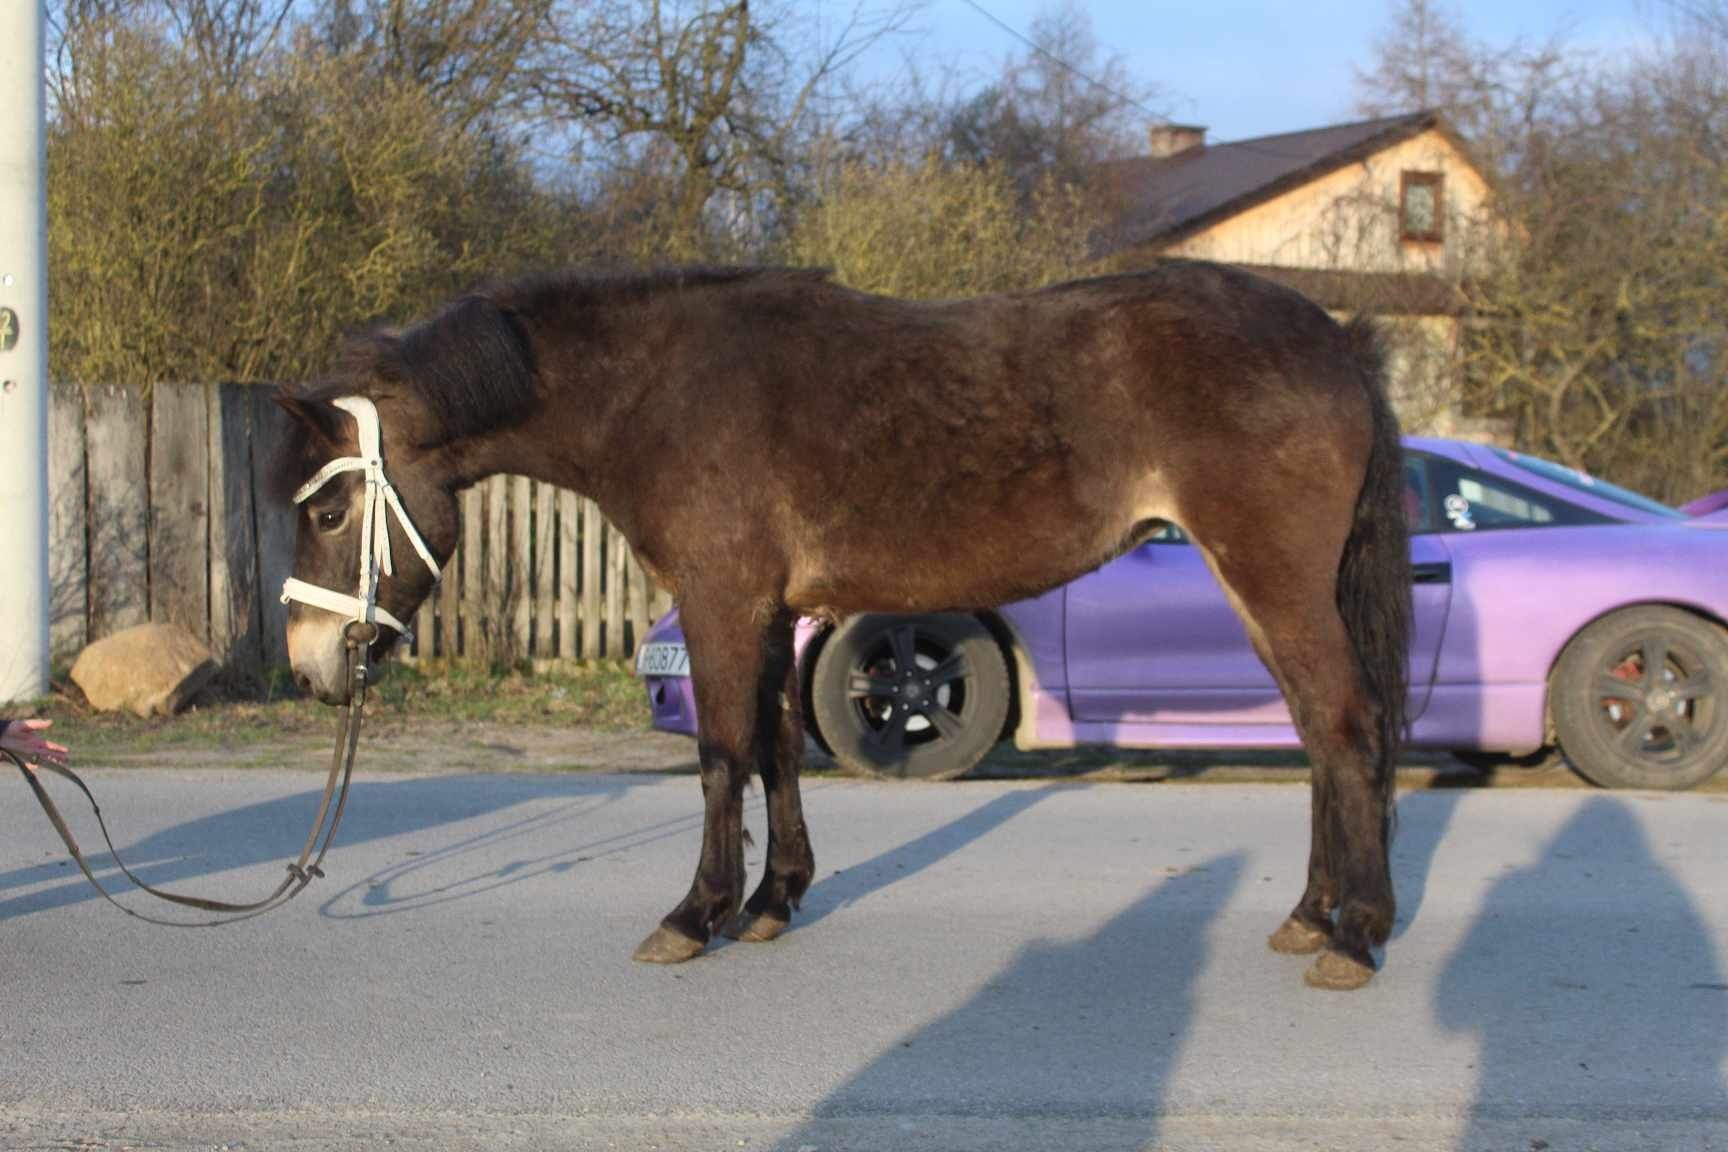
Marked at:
<point>976,544</point>
<point>912,571</point>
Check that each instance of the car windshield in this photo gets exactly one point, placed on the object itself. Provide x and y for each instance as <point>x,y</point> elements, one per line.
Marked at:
<point>1581,482</point>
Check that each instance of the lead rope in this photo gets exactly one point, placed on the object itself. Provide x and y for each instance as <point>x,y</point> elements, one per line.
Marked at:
<point>358,634</point>
<point>301,872</point>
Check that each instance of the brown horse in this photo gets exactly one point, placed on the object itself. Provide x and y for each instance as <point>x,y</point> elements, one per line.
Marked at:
<point>775,445</point>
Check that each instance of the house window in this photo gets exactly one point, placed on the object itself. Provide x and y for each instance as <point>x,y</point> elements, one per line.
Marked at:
<point>1421,207</point>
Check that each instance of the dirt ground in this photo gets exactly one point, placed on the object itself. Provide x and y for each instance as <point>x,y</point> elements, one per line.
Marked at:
<point>394,745</point>
<point>595,719</point>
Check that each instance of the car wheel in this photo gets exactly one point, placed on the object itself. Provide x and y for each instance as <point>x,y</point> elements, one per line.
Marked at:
<point>1638,700</point>
<point>910,697</point>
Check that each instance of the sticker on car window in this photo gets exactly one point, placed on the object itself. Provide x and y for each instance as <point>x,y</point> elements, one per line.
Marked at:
<point>1458,512</point>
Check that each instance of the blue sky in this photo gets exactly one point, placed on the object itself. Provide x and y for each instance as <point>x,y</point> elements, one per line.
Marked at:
<point>1248,67</point>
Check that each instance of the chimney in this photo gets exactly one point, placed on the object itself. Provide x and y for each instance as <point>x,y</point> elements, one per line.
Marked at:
<point>1174,139</point>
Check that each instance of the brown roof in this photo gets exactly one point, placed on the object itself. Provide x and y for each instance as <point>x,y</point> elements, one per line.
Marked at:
<point>1166,198</point>
<point>1378,293</point>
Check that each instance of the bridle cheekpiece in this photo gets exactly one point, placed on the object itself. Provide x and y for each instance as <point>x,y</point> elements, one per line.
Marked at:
<point>381,500</point>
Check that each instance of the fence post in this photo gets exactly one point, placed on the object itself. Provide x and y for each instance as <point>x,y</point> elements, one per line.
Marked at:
<point>119,511</point>
<point>569,618</point>
<point>638,593</point>
<point>591,523</point>
<point>234,593</point>
<point>521,565</point>
<point>180,507</point>
<point>275,519</point>
<point>496,625</point>
<point>545,569</point>
<point>615,592</point>
<point>68,541</point>
<point>449,599</point>
<point>473,571</point>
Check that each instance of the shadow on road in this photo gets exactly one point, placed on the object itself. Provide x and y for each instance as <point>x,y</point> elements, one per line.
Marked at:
<point>271,830</point>
<point>1116,1043</point>
<point>274,829</point>
<point>1423,818</point>
<point>1582,1008</point>
<point>839,889</point>
<point>382,893</point>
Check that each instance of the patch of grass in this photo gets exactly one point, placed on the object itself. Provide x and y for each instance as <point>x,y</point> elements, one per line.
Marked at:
<point>602,696</point>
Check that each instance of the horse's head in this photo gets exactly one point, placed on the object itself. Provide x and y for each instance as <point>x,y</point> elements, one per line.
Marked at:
<point>360,455</point>
<point>410,417</point>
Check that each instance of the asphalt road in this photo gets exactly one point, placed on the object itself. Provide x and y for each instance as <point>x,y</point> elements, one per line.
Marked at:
<point>982,965</point>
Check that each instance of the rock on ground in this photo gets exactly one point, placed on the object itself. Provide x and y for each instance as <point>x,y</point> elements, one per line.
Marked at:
<point>151,670</point>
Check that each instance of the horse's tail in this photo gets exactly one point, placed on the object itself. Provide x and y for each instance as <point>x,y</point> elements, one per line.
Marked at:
<point>1374,574</point>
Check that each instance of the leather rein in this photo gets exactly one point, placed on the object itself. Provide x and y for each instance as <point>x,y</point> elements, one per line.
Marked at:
<point>357,635</point>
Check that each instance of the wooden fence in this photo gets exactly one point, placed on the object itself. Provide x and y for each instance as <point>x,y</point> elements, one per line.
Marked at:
<point>163,511</point>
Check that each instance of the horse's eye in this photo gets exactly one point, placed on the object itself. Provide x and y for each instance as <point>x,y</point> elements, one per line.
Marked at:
<point>331,520</point>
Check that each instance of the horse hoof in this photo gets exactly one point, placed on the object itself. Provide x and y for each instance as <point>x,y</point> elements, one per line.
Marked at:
<point>664,946</point>
<point>754,929</point>
<point>1336,972</point>
<point>1298,938</point>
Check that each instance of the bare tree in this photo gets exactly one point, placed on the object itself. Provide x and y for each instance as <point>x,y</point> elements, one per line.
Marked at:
<point>229,38</point>
<point>1602,327</point>
<point>469,56</point>
<point>1498,98</point>
<point>1059,108</point>
<point>711,95</point>
<point>1597,322</point>
<point>1422,60</point>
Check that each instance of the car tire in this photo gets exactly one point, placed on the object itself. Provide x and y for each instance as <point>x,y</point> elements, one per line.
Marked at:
<point>1640,700</point>
<point>910,697</point>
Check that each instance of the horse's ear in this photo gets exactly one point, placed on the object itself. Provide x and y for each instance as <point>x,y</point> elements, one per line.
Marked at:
<point>319,417</point>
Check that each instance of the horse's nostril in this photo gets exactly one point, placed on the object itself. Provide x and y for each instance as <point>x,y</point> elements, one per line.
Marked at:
<point>303,682</point>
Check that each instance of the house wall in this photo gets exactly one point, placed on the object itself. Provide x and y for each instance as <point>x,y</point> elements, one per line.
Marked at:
<point>1421,360</point>
<point>1348,219</point>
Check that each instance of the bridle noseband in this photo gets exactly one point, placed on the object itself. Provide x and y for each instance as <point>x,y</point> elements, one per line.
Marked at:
<point>374,527</point>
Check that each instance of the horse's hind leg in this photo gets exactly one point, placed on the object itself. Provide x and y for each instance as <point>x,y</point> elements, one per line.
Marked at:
<point>728,654</point>
<point>779,755</point>
<point>1285,590</point>
<point>1308,928</point>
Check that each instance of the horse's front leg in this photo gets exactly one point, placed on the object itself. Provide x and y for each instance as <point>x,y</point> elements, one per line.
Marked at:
<point>727,657</point>
<point>779,755</point>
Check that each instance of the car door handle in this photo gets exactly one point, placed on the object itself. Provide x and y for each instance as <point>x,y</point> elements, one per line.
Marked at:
<point>1432,572</point>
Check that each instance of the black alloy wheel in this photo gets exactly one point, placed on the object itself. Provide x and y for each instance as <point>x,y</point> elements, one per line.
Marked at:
<point>910,697</point>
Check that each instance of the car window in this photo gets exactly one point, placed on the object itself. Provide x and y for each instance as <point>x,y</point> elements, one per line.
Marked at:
<point>1572,478</point>
<point>1472,501</point>
<point>1417,505</point>
<point>1167,534</point>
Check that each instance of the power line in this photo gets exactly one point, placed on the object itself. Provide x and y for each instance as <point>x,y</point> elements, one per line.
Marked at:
<point>1055,59</point>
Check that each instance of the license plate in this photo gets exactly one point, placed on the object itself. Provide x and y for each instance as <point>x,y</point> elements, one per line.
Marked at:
<point>662,660</point>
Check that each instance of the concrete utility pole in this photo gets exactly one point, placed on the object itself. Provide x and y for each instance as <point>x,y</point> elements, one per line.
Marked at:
<point>23,355</point>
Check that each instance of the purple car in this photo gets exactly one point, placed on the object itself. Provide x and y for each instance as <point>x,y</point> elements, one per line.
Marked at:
<point>1550,607</point>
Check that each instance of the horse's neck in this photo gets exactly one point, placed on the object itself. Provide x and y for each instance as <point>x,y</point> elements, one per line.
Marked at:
<point>562,444</point>
<point>594,379</point>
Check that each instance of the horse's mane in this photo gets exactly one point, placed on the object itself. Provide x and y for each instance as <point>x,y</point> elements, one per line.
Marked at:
<point>579,286</point>
<point>470,366</point>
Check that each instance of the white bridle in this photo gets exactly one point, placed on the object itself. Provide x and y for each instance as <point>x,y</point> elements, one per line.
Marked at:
<point>374,527</point>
